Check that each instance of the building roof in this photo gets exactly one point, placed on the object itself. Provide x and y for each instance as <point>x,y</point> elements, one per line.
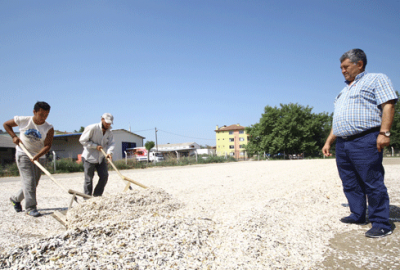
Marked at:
<point>6,142</point>
<point>67,135</point>
<point>114,130</point>
<point>79,134</point>
<point>231,127</point>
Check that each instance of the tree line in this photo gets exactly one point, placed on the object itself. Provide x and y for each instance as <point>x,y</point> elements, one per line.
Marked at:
<point>295,129</point>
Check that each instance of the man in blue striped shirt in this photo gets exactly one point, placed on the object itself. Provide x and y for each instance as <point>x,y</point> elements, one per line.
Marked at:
<point>363,116</point>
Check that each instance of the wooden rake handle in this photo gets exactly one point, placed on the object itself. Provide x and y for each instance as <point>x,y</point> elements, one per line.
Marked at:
<point>41,167</point>
<point>123,177</point>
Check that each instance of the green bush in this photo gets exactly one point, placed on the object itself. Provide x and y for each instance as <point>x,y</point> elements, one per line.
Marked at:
<point>9,170</point>
<point>68,165</point>
<point>131,164</point>
<point>65,165</point>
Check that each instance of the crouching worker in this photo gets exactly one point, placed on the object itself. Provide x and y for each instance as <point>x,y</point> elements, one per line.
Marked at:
<point>94,138</point>
<point>37,136</point>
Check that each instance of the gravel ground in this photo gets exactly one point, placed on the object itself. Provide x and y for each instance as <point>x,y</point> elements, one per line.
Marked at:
<point>251,215</point>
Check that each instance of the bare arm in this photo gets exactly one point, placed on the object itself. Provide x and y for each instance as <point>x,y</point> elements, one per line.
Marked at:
<point>387,120</point>
<point>8,126</point>
<point>331,138</point>
<point>47,145</point>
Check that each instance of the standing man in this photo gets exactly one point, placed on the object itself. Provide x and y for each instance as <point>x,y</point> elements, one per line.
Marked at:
<point>94,138</point>
<point>37,136</point>
<point>364,112</point>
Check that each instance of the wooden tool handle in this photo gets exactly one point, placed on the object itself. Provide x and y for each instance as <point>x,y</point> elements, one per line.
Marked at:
<point>123,177</point>
<point>134,182</point>
<point>41,167</point>
<point>70,191</point>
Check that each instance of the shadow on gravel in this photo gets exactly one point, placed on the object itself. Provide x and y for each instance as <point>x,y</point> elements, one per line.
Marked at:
<point>49,211</point>
<point>352,250</point>
<point>53,209</point>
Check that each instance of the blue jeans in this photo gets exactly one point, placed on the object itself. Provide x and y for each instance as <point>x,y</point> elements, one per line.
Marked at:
<point>102,171</point>
<point>360,168</point>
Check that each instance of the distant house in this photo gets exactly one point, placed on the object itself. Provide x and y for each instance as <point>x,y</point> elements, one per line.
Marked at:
<point>68,145</point>
<point>231,141</point>
<point>178,149</point>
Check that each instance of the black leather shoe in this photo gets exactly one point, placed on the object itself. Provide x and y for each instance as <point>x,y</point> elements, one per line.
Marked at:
<point>350,220</point>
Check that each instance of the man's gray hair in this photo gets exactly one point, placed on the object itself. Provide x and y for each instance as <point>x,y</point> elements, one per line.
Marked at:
<point>355,55</point>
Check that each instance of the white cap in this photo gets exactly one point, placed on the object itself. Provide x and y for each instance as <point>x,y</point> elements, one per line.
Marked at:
<point>108,118</point>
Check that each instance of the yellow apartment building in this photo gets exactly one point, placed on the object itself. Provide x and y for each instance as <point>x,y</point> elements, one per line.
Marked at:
<point>231,140</point>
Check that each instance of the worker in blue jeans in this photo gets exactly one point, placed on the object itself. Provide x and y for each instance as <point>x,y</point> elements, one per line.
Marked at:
<point>363,116</point>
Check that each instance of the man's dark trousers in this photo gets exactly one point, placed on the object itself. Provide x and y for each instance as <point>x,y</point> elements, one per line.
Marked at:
<point>102,171</point>
<point>360,168</point>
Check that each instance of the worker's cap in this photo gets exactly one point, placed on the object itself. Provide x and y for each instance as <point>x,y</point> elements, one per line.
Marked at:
<point>108,118</point>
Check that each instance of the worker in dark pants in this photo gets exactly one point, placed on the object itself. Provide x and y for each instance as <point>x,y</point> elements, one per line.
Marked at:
<point>94,138</point>
<point>364,112</point>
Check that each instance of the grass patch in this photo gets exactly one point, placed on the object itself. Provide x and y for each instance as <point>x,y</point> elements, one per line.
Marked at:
<point>68,165</point>
<point>9,170</point>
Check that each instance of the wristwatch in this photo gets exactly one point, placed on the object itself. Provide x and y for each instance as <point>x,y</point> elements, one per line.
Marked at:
<point>386,133</point>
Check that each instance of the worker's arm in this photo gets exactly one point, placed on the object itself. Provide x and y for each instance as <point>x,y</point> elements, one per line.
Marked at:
<point>8,126</point>
<point>86,138</point>
<point>386,125</point>
<point>47,145</point>
<point>326,149</point>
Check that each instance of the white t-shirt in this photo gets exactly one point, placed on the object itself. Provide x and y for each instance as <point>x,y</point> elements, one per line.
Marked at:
<point>31,135</point>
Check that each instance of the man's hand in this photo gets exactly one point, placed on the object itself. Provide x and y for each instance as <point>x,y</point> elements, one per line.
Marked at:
<point>109,156</point>
<point>325,150</point>
<point>99,147</point>
<point>35,158</point>
<point>381,142</point>
<point>16,140</point>
<point>331,138</point>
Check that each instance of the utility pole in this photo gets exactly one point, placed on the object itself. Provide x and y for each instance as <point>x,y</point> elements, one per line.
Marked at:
<point>156,138</point>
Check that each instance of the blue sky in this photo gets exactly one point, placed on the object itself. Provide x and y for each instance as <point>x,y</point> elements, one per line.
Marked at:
<point>185,66</point>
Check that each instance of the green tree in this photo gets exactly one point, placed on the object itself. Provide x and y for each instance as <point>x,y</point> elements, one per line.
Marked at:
<point>149,145</point>
<point>80,130</point>
<point>290,129</point>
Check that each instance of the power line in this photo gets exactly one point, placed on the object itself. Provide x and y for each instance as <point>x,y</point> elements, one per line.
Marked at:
<point>143,130</point>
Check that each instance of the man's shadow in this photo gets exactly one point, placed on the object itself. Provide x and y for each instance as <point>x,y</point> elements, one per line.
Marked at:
<point>49,211</point>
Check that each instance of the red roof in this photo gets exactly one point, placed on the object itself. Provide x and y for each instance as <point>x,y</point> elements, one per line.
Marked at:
<point>231,127</point>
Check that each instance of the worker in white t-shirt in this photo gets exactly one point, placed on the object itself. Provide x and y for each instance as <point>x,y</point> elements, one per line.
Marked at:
<point>37,136</point>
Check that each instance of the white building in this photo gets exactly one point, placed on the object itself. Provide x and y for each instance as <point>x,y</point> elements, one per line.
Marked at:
<point>68,145</point>
<point>178,149</point>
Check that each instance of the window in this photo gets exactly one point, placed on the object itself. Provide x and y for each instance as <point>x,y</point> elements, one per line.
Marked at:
<point>241,139</point>
<point>126,145</point>
<point>241,131</point>
<point>230,132</point>
<point>242,153</point>
<point>231,147</point>
<point>231,153</point>
<point>231,139</point>
<point>240,146</point>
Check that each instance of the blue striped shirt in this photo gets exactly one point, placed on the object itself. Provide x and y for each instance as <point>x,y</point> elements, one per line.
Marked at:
<point>357,107</point>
